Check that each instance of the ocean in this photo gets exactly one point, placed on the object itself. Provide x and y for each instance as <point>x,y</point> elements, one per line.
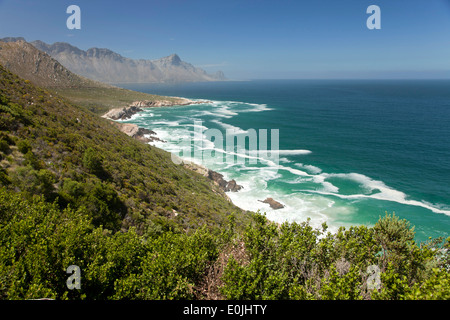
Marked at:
<point>349,150</point>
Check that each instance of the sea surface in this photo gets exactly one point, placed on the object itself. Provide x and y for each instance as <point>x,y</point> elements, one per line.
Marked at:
<point>348,150</point>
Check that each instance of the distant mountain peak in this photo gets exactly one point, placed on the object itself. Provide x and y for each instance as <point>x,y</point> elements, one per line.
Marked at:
<point>173,59</point>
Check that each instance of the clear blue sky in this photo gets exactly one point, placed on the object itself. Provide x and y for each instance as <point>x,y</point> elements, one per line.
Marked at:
<point>250,39</point>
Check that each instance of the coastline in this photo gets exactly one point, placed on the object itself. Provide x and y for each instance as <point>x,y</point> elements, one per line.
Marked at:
<point>127,112</point>
<point>145,135</point>
<point>322,204</point>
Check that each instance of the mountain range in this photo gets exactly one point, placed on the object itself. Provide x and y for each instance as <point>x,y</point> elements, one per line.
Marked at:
<point>108,66</point>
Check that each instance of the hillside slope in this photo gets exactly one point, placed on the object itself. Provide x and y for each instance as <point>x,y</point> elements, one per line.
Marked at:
<point>23,59</point>
<point>53,148</point>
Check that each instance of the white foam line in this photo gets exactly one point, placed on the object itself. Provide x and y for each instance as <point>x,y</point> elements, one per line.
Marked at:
<point>233,129</point>
<point>378,197</point>
<point>310,168</point>
<point>292,152</point>
<point>167,123</point>
<point>385,193</point>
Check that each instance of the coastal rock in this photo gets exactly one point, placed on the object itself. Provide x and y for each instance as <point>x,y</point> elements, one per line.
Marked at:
<point>218,179</point>
<point>273,203</point>
<point>193,166</point>
<point>233,186</point>
<point>222,183</point>
<point>134,131</point>
<point>122,113</point>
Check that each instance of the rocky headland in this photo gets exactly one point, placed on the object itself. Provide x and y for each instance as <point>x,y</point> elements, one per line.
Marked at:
<point>126,113</point>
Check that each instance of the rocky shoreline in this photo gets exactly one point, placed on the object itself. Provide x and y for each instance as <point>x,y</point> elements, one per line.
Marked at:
<point>146,136</point>
<point>126,113</point>
<point>132,130</point>
<point>218,179</point>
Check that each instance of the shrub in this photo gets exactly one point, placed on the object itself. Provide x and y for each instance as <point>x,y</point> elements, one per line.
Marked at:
<point>24,146</point>
<point>92,161</point>
<point>4,146</point>
<point>34,182</point>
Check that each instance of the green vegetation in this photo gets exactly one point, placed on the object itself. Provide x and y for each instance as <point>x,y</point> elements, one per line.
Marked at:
<point>267,261</point>
<point>295,261</point>
<point>74,190</point>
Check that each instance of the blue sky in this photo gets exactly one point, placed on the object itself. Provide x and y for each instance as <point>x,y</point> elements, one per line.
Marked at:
<point>254,39</point>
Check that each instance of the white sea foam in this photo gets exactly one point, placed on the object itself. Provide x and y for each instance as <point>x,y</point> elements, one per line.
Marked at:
<point>310,168</point>
<point>256,107</point>
<point>132,118</point>
<point>166,123</point>
<point>230,128</point>
<point>292,152</point>
<point>382,192</point>
<point>228,109</point>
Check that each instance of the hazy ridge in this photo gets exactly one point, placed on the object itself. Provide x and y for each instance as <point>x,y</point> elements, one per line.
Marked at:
<point>108,66</point>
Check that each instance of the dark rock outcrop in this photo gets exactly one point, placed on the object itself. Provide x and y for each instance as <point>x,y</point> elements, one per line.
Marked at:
<point>233,186</point>
<point>222,183</point>
<point>273,203</point>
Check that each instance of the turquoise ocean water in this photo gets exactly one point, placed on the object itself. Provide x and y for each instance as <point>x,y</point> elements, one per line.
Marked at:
<point>349,151</point>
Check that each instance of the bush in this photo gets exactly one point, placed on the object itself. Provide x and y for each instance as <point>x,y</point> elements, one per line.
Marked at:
<point>34,182</point>
<point>24,146</point>
<point>92,161</point>
<point>297,261</point>
<point>32,160</point>
<point>4,146</point>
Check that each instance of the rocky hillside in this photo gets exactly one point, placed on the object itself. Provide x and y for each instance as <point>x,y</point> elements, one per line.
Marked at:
<point>25,60</point>
<point>107,66</point>
<point>22,58</point>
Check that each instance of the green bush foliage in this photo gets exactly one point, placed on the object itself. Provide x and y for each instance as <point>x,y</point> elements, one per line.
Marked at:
<point>38,241</point>
<point>295,261</point>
